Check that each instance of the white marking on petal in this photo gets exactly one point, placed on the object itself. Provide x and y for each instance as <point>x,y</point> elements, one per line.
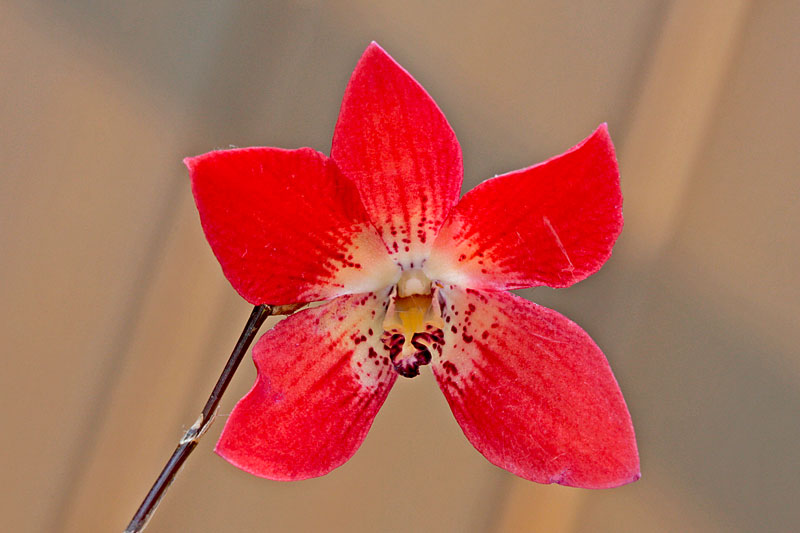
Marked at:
<point>571,267</point>
<point>370,363</point>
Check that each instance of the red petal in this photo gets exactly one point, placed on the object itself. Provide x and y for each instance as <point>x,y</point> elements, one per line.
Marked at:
<point>393,141</point>
<point>533,393</point>
<point>286,226</point>
<point>322,376</point>
<point>551,224</point>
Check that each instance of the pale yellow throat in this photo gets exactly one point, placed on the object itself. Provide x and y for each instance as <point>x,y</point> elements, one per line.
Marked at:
<point>411,310</point>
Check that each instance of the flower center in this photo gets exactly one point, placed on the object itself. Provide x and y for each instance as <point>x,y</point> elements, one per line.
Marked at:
<point>413,324</point>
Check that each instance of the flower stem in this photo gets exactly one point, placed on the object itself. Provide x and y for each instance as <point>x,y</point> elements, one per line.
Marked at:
<point>190,439</point>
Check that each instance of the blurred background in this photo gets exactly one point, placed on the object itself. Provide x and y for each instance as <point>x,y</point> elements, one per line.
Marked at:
<point>116,319</point>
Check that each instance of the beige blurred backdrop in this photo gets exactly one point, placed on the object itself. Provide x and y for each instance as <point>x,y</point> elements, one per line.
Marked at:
<point>116,318</point>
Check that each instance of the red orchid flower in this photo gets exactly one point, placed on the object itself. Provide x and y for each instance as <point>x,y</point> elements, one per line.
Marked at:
<point>416,276</point>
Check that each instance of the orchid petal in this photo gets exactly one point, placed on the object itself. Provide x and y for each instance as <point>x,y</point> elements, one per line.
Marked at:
<point>395,144</point>
<point>286,226</point>
<point>551,224</point>
<point>532,392</point>
<point>323,374</point>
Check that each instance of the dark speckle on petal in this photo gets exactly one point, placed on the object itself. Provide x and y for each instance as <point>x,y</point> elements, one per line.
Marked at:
<point>449,368</point>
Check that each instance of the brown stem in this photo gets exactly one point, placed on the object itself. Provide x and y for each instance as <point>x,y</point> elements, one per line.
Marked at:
<point>190,439</point>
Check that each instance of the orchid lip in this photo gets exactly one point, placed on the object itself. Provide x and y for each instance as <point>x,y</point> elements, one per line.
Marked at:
<point>413,324</point>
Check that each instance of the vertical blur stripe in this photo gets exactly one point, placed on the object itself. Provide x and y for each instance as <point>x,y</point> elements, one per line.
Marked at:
<point>673,114</point>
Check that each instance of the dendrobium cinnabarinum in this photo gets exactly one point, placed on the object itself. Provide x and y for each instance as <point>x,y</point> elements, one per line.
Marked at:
<point>416,276</point>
